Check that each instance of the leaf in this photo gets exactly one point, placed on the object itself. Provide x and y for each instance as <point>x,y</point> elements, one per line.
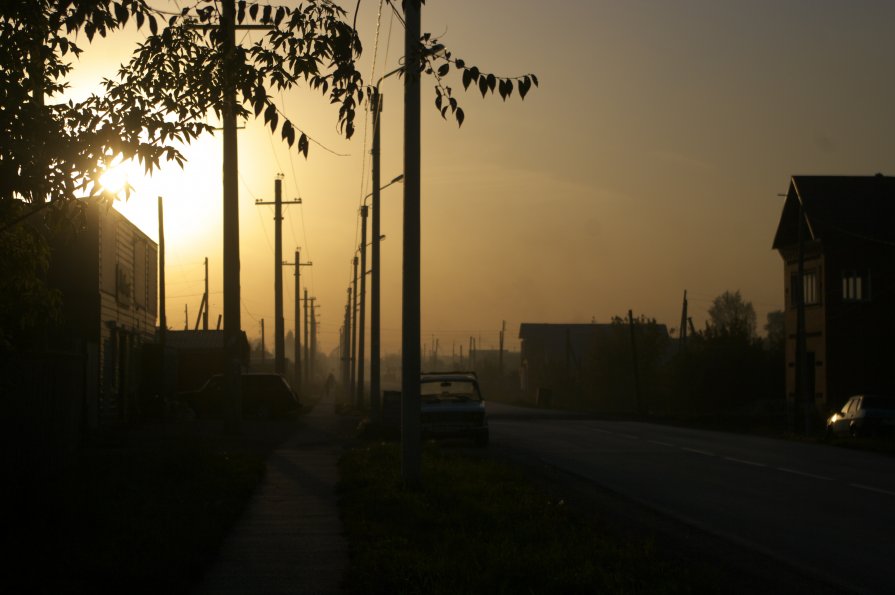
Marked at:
<point>524,86</point>
<point>467,78</point>
<point>288,132</point>
<point>483,85</point>
<point>265,15</point>
<point>240,11</point>
<point>460,116</point>
<point>153,25</point>
<point>444,69</point>
<point>253,12</point>
<point>535,79</point>
<point>303,144</point>
<point>492,82</point>
<point>460,63</point>
<point>281,12</point>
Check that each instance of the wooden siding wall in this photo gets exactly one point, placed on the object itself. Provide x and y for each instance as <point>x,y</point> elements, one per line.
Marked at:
<point>126,320</point>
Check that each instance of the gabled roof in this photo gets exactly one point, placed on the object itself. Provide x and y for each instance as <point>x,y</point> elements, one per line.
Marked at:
<point>857,207</point>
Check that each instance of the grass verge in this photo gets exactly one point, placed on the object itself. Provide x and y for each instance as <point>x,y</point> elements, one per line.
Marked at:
<point>144,513</point>
<point>478,526</point>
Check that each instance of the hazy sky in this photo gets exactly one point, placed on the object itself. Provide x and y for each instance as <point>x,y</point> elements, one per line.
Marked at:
<point>648,162</point>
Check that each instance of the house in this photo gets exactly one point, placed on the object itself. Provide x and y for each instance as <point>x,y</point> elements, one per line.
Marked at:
<point>200,354</point>
<point>107,276</point>
<point>589,364</point>
<point>846,228</point>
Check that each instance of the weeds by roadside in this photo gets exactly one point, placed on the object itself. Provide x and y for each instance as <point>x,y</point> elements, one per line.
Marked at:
<point>478,526</point>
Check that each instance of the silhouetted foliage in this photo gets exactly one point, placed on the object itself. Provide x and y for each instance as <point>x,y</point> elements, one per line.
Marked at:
<point>730,314</point>
<point>55,151</point>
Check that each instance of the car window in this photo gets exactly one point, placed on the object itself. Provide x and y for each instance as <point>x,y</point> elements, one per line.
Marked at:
<point>879,402</point>
<point>852,405</point>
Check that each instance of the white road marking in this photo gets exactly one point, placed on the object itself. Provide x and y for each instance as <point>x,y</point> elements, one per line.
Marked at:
<point>745,462</point>
<point>804,474</point>
<point>660,443</point>
<point>697,451</point>
<point>871,489</point>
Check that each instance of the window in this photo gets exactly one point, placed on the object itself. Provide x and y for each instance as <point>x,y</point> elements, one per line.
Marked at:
<point>855,286</point>
<point>810,288</point>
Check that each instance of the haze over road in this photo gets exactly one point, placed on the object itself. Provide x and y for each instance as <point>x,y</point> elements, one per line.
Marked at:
<point>828,511</point>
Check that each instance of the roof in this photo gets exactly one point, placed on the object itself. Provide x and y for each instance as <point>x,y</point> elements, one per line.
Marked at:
<point>198,340</point>
<point>857,207</point>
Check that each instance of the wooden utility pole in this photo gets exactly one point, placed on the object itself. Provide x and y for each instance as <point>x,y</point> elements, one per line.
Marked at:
<point>682,332</point>
<point>313,357</point>
<point>207,298</point>
<point>307,376</point>
<point>263,349</point>
<point>637,397</point>
<point>297,333</point>
<point>375,277</point>
<point>278,323</point>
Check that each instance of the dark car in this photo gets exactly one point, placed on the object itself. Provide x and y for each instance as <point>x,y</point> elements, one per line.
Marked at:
<point>864,415</point>
<point>453,407</point>
<point>264,396</point>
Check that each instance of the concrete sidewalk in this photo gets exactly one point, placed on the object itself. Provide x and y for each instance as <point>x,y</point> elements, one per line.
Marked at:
<point>290,538</point>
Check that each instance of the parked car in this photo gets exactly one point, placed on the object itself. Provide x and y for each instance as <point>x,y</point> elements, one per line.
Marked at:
<point>864,415</point>
<point>264,396</point>
<point>452,407</point>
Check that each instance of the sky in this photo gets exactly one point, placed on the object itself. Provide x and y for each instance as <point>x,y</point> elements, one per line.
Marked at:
<point>650,161</point>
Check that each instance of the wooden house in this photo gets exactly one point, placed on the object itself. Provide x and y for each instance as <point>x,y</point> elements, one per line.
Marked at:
<point>844,229</point>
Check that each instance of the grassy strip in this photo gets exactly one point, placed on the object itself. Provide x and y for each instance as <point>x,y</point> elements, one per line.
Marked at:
<point>146,516</point>
<point>478,526</point>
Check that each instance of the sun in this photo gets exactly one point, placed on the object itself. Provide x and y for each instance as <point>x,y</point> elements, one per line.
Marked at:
<point>117,177</point>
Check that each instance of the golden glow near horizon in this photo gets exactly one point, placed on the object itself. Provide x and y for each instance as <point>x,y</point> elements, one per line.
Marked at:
<point>648,162</point>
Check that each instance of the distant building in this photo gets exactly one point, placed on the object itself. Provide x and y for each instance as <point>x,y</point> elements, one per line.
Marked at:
<point>200,354</point>
<point>848,238</point>
<point>579,363</point>
<point>107,274</point>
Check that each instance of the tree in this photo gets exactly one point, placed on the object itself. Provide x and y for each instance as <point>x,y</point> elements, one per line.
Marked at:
<point>731,315</point>
<point>56,152</point>
<point>775,328</point>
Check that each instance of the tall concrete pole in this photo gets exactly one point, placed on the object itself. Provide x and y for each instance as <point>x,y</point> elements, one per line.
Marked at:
<point>297,371</point>
<point>232,322</point>
<point>207,298</point>
<point>363,298</point>
<point>376,277</point>
<point>278,323</point>
<point>411,456</point>
<point>354,333</point>
<point>313,357</point>
<point>162,321</point>
<point>307,372</point>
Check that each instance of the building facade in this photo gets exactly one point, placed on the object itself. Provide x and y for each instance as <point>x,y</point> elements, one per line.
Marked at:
<point>842,226</point>
<point>108,276</point>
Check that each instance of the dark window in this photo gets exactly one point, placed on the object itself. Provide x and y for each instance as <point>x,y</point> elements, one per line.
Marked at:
<point>855,286</point>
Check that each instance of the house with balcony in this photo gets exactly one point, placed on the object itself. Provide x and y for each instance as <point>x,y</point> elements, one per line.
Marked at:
<point>842,228</point>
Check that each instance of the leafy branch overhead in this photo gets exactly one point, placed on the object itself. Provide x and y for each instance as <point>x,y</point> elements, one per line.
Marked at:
<point>439,62</point>
<point>162,96</point>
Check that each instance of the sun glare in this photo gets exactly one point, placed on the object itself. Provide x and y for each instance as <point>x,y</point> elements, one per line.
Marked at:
<point>117,177</point>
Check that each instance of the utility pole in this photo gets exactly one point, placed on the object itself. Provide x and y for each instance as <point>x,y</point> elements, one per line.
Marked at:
<point>375,278</point>
<point>346,350</point>
<point>363,298</point>
<point>354,334</point>
<point>207,297</point>
<point>411,455</point>
<point>263,349</point>
<point>503,329</point>
<point>278,323</point>
<point>637,396</point>
<point>230,170</point>
<point>307,376</point>
<point>297,336</point>
<point>186,317</point>
<point>682,333</point>
<point>162,322</point>
<point>313,361</point>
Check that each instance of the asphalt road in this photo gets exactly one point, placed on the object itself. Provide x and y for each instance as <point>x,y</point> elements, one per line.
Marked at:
<point>830,512</point>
